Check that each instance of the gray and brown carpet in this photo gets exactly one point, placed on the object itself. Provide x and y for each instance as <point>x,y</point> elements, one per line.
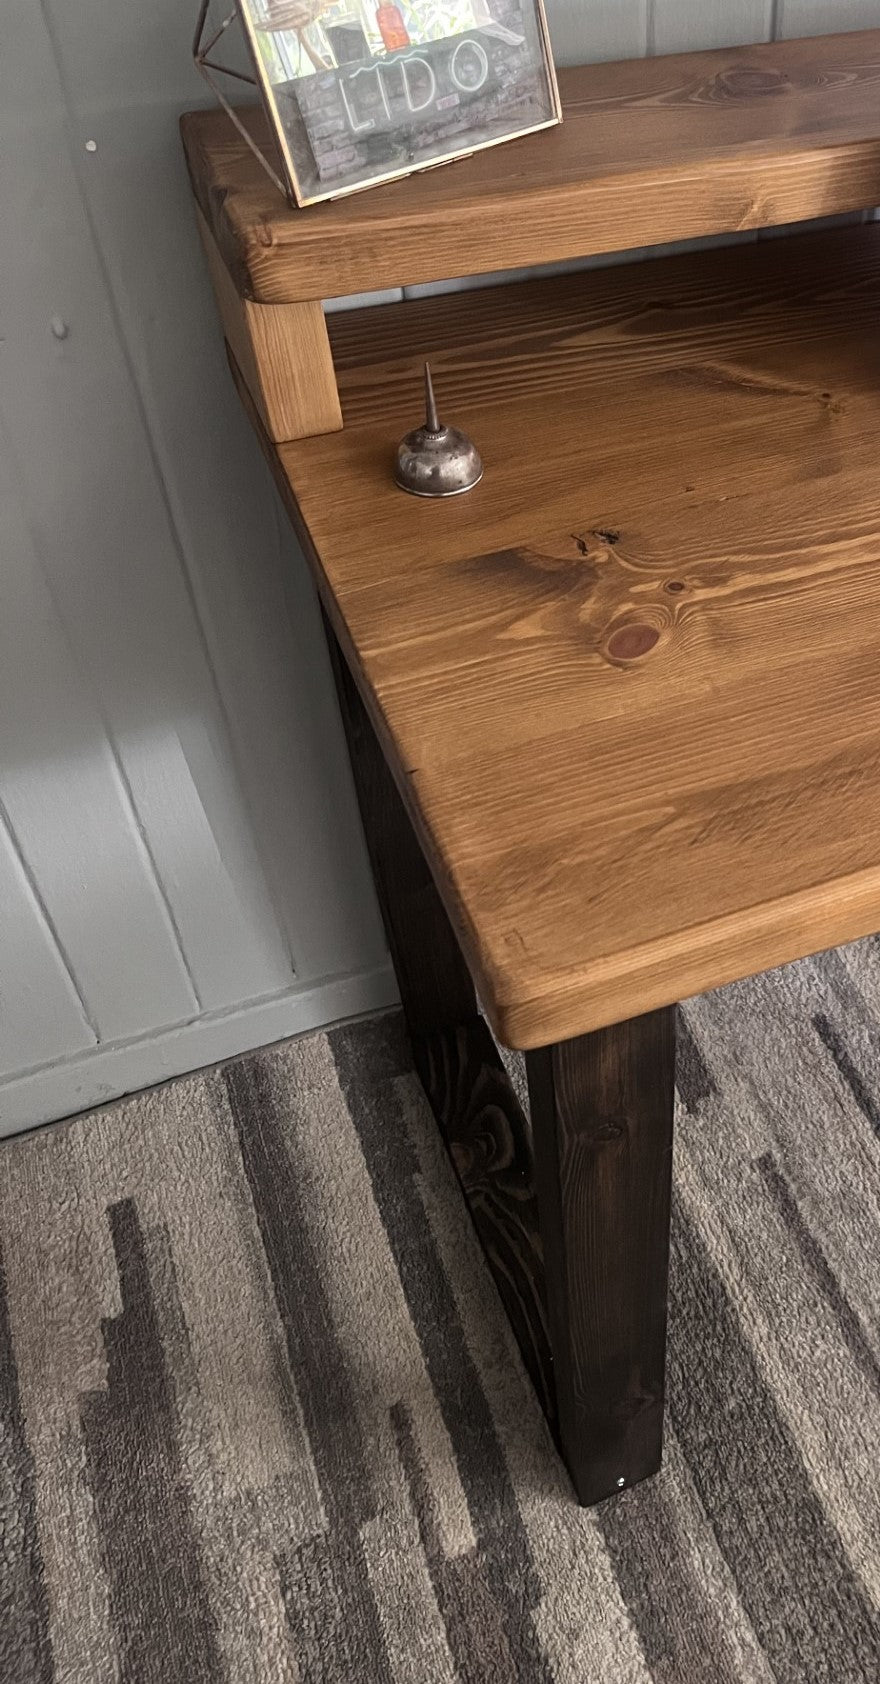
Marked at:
<point>261,1418</point>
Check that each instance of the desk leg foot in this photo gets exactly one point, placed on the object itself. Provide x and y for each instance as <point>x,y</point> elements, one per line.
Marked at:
<point>602,1108</point>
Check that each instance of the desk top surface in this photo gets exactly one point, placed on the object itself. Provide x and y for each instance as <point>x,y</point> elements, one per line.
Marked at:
<point>650,150</point>
<point>630,686</point>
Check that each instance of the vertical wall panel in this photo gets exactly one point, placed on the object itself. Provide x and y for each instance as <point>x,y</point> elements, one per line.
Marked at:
<point>820,17</point>
<point>603,29</point>
<point>680,26</point>
<point>70,811</point>
<point>171,760</point>
<point>98,510</point>
<point>255,600</point>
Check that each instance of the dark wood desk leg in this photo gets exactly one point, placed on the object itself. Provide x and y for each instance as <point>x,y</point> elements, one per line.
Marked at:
<point>602,1109</point>
<point>595,1267</point>
<point>458,1063</point>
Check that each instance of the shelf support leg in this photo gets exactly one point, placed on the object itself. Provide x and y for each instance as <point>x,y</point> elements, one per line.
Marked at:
<point>283,353</point>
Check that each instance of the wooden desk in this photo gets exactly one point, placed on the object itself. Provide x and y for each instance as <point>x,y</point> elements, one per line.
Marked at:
<point>615,722</point>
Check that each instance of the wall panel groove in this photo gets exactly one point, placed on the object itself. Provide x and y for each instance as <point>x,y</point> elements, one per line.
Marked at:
<point>46,1005</point>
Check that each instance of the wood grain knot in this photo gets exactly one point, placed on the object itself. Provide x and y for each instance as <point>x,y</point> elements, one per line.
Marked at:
<point>630,643</point>
<point>607,1132</point>
<point>602,537</point>
<point>746,81</point>
<point>638,1402</point>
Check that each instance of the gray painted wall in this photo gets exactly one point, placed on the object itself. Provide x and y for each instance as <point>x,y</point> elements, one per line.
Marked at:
<point>181,869</point>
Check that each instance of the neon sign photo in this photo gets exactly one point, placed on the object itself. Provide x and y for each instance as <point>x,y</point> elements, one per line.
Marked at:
<point>360,94</point>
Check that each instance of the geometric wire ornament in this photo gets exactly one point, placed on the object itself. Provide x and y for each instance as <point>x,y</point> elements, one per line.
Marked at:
<point>208,68</point>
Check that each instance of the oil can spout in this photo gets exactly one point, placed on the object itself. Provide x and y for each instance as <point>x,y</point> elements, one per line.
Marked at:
<point>432,420</point>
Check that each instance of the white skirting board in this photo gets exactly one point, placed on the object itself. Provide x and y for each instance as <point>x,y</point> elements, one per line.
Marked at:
<point>109,1071</point>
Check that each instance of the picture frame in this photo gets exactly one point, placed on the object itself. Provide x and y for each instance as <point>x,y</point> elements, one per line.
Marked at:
<point>359,93</point>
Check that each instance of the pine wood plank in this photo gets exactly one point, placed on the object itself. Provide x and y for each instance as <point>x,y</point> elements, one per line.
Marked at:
<point>650,150</point>
<point>601,329</point>
<point>628,685</point>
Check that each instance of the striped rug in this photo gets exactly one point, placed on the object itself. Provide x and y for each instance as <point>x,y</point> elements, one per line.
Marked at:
<point>261,1418</point>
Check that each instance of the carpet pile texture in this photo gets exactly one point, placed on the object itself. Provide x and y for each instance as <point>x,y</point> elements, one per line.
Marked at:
<point>261,1418</point>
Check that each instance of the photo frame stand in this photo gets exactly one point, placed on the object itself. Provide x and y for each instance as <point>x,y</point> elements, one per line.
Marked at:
<point>382,98</point>
<point>203,46</point>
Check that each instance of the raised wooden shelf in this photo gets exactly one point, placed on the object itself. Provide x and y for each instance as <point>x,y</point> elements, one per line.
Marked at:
<point>629,685</point>
<point>650,150</point>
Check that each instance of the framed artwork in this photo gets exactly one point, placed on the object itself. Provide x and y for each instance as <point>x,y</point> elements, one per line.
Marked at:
<point>361,92</point>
